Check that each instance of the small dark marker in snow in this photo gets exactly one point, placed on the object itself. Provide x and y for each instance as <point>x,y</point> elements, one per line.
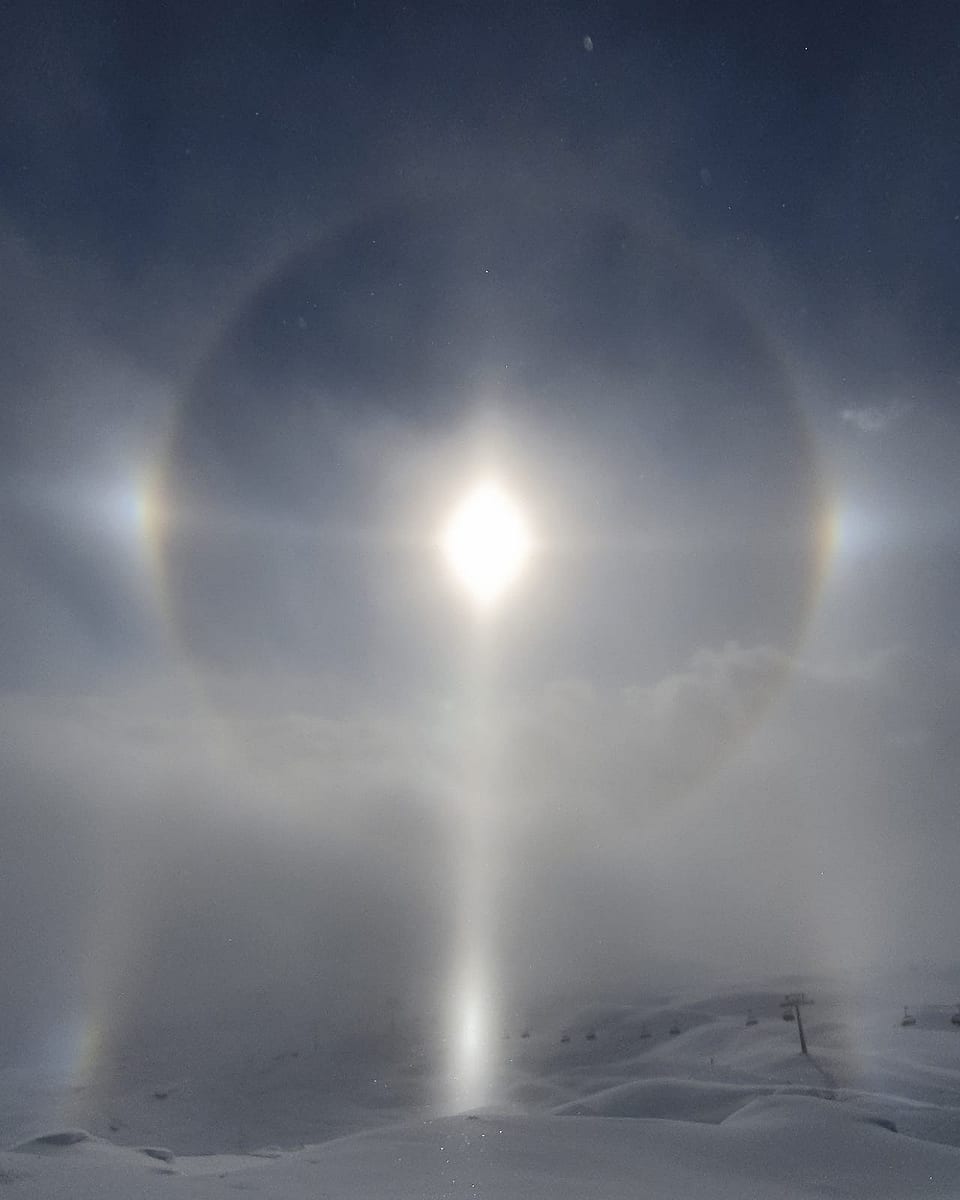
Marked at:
<point>160,1152</point>
<point>62,1137</point>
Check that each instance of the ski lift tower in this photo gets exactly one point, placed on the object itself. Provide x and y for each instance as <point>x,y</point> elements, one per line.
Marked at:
<point>792,1004</point>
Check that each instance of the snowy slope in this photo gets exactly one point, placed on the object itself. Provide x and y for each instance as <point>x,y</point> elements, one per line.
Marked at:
<point>790,1147</point>
<point>860,1056</point>
<point>604,1101</point>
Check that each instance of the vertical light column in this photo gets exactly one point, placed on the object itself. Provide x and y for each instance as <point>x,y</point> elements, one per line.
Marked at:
<point>486,544</point>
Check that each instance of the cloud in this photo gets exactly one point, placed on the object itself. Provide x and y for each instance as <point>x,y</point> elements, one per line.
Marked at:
<point>682,820</point>
<point>875,419</point>
<point>751,811</point>
<point>161,862</point>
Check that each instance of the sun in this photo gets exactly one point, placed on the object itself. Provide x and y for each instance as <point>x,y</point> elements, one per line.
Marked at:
<point>486,543</point>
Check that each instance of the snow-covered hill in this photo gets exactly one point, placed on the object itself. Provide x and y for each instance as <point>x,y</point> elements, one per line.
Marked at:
<point>605,1101</point>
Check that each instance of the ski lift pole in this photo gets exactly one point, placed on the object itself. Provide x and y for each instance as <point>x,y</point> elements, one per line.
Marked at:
<point>794,1002</point>
<point>803,1039</point>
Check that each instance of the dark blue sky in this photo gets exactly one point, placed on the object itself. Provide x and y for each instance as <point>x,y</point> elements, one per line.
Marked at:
<point>139,134</point>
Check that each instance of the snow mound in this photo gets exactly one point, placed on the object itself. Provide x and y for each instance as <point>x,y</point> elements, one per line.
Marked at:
<point>790,1108</point>
<point>674,1099</point>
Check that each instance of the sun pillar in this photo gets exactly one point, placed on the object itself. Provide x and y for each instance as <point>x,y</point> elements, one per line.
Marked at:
<point>486,544</point>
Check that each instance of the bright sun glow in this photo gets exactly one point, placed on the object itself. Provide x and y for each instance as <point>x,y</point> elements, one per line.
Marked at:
<point>486,543</point>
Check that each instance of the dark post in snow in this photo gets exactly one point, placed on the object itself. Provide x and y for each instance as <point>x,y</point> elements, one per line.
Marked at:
<point>794,1001</point>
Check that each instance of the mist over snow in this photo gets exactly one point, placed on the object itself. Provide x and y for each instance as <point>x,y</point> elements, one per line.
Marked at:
<point>297,868</point>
